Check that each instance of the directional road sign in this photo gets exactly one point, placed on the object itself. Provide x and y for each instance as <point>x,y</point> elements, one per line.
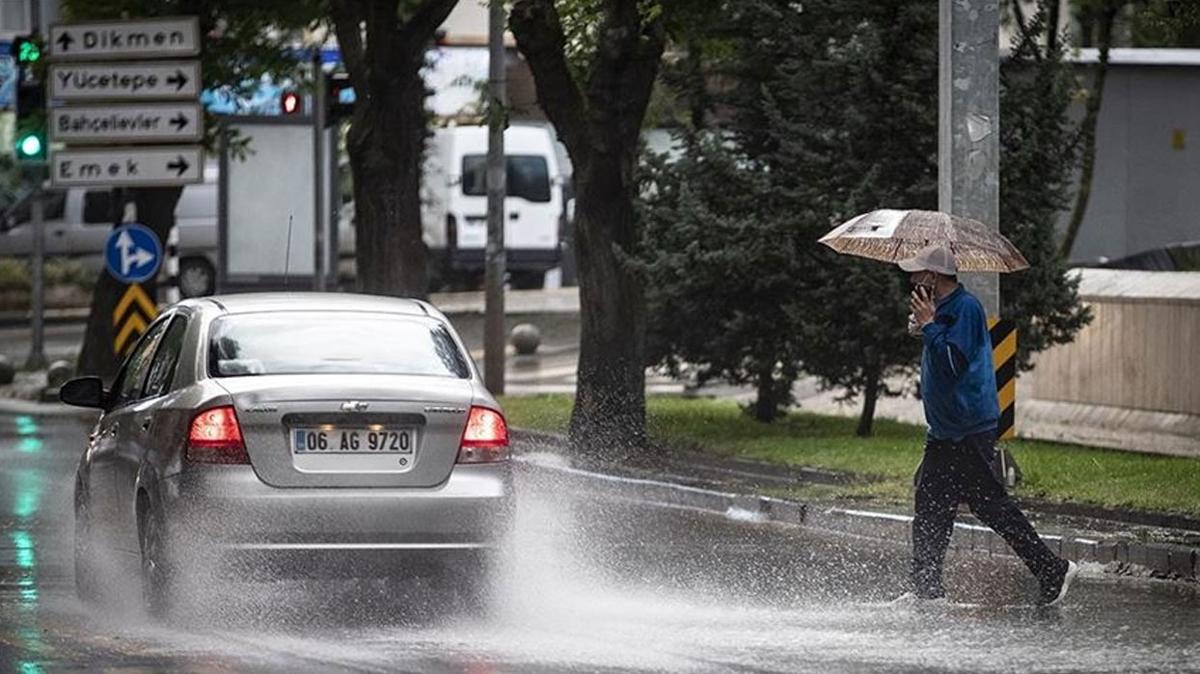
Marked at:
<point>130,123</point>
<point>125,81</point>
<point>132,315</point>
<point>128,166</point>
<point>152,38</point>
<point>132,253</point>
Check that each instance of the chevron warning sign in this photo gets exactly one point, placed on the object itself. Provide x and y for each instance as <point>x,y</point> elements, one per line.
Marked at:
<point>1004,359</point>
<point>133,313</point>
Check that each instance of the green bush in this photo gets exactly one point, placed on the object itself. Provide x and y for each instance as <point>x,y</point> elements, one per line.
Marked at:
<point>14,274</point>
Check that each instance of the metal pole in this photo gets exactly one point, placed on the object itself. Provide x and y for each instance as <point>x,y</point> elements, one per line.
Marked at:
<point>37,350</point>
<point>495,263</point>
<point>969,124</point>
<point>318,117</point>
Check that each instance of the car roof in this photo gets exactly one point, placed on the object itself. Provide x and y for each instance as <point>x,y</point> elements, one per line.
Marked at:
<point>310,301</point>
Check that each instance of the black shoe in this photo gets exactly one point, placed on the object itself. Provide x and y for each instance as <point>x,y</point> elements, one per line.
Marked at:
<point>1054,590</point>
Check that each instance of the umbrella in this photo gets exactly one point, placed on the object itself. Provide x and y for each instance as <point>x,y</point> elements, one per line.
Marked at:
<point>893,235</point>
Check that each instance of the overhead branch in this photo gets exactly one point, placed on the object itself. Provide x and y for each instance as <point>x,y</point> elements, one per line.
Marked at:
<point>539,32</point>
<point>420,27</point>
<point>348,18</point>
<point>626,65</point>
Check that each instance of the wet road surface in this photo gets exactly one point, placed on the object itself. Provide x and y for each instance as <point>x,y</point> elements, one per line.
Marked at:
<point>596,584</point>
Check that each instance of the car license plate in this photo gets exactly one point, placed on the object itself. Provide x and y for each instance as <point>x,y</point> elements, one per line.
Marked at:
<point>352,441</point>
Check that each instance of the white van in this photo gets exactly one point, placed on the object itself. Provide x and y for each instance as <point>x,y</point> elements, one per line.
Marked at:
<point>78,221</point>
<point>454,203</point>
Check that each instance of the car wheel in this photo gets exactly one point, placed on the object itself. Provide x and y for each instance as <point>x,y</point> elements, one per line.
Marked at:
<point>196,278</point>
<point>157,590</point>
<point>85,573</point>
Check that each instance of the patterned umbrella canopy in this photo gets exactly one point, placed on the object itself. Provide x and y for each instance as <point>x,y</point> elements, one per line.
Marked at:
<point>893,235</point>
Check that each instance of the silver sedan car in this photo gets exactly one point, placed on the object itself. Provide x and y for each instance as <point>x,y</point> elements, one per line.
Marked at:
<point>291,433</point>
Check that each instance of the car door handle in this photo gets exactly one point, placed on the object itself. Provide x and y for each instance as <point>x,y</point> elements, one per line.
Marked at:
<point>60,232</point>
<point>515,215</point>
<point>146,424</point>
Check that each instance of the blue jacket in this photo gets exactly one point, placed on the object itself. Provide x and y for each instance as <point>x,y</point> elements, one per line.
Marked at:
<point>958,383</point>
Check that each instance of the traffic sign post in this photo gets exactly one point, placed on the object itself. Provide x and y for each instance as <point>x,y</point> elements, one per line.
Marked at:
<point>146,166</point>
<point>151,38</point>
<point>138,123</point>
<point>132,253</point>
<point>154,80</point>
<point>126,96</point>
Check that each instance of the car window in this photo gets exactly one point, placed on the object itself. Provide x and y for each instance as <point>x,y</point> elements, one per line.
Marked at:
<point>53,204</point>
<point>527,176</point>
<point>332,342</point>
<point>133,375</point>
<point>162,368</point>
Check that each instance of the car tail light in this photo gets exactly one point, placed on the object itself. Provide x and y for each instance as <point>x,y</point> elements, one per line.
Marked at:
<point>485,439</point>
<point>216,437</point>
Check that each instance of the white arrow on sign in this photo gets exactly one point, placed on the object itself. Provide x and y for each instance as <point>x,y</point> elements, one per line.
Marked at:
<point>125,81</point>
<point>150,38</point>
<point>131,255</point>
<point>128,166</point>
<point>129,123</point>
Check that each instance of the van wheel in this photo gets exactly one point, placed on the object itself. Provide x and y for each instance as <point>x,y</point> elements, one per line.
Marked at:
<point>196,277</point>
<point>528,280</point>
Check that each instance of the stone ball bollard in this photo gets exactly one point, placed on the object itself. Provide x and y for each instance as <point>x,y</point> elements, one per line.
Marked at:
<point>7,372</point>
<point>525,338</point>
<point>58,373</point>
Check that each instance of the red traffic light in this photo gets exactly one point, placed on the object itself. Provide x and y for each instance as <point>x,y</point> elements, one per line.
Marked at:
<point>289,102</point>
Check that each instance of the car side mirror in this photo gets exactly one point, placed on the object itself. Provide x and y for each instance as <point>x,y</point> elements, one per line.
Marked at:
<point>84,392</point>
<point>7,223</point>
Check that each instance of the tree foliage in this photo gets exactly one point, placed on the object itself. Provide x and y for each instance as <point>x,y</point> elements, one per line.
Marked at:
<point>835,114</point>
<point>723,274</point>
<point>1039,147</point>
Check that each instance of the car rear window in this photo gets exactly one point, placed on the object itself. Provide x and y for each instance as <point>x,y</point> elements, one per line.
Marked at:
<point>301,342</point>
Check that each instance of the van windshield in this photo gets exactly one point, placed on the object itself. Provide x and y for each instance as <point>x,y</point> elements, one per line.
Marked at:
<point>528,176</point>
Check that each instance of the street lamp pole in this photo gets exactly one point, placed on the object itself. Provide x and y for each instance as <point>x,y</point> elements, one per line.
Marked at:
<point>969,124</point>
<point>495,262</point>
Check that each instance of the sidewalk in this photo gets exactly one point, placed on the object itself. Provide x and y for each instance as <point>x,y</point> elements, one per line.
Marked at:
<point>1168,548</point>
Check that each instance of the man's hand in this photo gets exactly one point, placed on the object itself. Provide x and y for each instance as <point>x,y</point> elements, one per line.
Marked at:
<point>922,307</point>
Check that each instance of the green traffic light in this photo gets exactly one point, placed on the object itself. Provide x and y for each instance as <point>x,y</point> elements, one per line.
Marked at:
<point>29,145</point>
<point>29,52</point>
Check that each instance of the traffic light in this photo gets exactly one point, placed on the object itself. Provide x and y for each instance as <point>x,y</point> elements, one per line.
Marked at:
<point>290,103</point>
<point>31,100</point>
<point>339,97</point>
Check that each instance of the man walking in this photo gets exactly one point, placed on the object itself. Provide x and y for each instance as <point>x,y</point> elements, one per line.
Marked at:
<point>958,389</point>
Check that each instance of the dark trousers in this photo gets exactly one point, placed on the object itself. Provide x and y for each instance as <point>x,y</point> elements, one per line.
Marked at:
<point>957,471</point>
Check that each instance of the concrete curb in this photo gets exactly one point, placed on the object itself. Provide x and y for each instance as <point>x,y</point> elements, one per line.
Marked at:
<point>1176,562</point>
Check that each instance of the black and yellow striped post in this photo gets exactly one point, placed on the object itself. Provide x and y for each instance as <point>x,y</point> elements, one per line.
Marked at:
<point>1004,359</point>
<point>134,312</point>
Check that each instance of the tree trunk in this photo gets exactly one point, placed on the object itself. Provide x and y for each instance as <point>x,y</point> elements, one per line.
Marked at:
<point>766,407</point>
<point>1090,118</point>
<point>609,416</point>
<point>155,210</point>
<point>866,420</point>
<point>386,144</point>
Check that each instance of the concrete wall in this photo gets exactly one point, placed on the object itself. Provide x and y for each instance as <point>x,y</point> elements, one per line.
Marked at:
<point>1146,190</point>
<point>1141,351</point>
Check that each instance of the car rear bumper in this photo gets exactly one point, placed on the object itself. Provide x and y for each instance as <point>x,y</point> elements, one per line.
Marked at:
<point>227,510</point>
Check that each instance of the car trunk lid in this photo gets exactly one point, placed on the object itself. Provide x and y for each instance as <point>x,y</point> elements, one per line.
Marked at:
<point>374,431</point>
